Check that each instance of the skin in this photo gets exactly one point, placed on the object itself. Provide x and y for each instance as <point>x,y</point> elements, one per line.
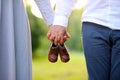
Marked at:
<point>57,34</point>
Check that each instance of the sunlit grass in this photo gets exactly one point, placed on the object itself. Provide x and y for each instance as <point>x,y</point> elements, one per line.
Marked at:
<point>75,69</point>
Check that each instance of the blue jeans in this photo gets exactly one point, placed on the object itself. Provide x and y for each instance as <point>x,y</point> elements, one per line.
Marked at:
<point>102,51</point>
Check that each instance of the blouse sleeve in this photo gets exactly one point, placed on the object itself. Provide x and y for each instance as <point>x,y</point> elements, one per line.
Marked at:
<point>46,10</point>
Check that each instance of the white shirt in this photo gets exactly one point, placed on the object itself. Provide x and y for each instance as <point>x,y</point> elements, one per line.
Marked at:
<point>103,12</point>
<point>46,10</point>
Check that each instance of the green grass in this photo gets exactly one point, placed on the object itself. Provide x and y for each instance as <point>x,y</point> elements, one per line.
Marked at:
<point>75,69</point>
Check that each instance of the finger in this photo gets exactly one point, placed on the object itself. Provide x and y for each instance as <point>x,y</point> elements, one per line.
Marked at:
<point>61,40</point>
<point>51,38</point>
<point>58,38</point>
<point>64,39</point>
<point>68,35</point>
<point>55,41</point>
<point>48,35</point>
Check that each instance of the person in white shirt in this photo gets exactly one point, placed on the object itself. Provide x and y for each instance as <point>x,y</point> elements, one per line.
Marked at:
<point>100,32</point>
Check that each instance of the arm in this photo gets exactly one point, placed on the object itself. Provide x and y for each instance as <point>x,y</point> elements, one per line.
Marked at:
<point>62,11</point>
<point>46,10</point>
<point>57,31</point>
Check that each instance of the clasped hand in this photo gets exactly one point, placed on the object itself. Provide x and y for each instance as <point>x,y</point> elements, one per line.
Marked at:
<point>57,34</point>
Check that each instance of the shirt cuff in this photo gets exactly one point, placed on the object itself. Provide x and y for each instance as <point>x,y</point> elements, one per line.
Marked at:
<point>60,20</point>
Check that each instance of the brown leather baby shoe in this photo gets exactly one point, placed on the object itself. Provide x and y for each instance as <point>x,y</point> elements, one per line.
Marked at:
<point>53,53</point>
<point>64,56</point>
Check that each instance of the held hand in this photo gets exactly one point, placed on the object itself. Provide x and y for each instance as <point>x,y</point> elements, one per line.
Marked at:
<point>65,37</point>
<point>57,34</point>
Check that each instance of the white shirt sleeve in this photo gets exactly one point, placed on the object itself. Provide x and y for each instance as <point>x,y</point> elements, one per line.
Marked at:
<point>62,12</point>
<point>46,10</point>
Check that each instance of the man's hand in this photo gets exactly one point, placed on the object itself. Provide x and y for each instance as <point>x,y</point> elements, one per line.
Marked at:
<point>57,34</point>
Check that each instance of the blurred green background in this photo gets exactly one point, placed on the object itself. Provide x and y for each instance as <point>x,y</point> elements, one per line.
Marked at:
<point>42,69</point>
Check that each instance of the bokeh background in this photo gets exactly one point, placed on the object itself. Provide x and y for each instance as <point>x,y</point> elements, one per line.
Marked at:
<point>42,69</point>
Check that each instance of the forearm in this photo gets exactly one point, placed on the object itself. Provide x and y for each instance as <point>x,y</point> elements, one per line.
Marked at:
<point>46,10</point>
<point>62,12</point>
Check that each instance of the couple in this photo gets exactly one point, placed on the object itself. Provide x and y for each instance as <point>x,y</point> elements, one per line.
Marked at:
<point>100,31</point>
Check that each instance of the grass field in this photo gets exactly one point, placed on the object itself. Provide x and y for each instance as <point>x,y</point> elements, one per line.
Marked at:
<point>75,69</point>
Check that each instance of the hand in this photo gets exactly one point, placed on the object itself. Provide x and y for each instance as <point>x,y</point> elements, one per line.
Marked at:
<point>67,35</point>
<point>57,34</point>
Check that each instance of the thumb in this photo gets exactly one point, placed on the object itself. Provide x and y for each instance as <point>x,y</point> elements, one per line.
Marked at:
<point>67,35</point>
